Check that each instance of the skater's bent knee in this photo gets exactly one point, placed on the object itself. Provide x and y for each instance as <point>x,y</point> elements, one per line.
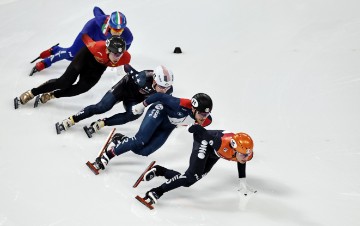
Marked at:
<point>140,153</point>
<point>191,179</point>
<point>101,107</point>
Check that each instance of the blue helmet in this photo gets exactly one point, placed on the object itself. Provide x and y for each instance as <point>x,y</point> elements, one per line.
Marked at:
<point>117,20</point>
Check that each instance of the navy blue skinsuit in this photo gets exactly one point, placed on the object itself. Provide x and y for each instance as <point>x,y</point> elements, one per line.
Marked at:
<point>159,121</point>
<point>203,157</point>
<point>132,89</point>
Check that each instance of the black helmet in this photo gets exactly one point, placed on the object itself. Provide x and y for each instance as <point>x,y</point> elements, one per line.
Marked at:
<point>115,44</point>
<point>202,102</point>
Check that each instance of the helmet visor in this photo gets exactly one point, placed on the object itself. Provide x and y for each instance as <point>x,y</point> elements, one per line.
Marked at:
<point>203,114</point>
<point>161,87</point>
<point>115,31</point>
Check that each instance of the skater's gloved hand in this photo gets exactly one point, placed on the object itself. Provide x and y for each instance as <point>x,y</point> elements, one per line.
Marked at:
<point>138,109</point>
<point>189,126</point>
<point>140,79</point>
<point>244,188</point>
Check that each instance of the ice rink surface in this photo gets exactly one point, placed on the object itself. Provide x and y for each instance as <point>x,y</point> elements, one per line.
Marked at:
<point>285,72</point>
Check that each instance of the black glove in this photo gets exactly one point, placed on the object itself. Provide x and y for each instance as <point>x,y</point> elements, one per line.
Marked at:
<point>140,78</point>
<point>196,128</point>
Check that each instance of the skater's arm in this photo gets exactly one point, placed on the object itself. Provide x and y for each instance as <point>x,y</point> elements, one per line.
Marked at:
<point>169,101</point>
<point>201,133</point>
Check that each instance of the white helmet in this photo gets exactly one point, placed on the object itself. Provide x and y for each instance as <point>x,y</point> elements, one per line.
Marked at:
<point>163,76</point>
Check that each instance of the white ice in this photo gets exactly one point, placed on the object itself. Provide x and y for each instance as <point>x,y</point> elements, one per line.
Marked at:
<point>286,72</point>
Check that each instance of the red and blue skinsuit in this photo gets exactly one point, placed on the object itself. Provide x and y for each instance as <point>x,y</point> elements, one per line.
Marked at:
<point>97,28</point>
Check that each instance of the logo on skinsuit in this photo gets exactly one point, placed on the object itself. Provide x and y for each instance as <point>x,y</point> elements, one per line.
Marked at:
<point>154,113</point>
<point>202,149</point>
<point>159,107</point>
<point>179,176</point>
<point>79,113</point>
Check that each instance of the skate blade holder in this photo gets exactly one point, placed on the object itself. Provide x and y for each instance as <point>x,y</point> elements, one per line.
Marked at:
<point>92,168</point>
<point>87,131</point>
<point>37,101</point>
<point>16,103</point>
<point>143,201</point>
<point>107,142</point>
<point>59,127</point>
<point>142,175</point>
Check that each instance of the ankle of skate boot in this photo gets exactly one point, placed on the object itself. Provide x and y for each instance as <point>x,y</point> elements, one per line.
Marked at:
<point>46,53</point>
<point>96,165</point>
<point>110,153</point>
<point>40,66</point>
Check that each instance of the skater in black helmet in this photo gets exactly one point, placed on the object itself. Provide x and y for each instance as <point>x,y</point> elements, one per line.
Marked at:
<point>88,65</point>
<point>164,115</point>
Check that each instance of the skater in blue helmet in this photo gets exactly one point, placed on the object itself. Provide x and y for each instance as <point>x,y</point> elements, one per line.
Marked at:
<point>100,27</point>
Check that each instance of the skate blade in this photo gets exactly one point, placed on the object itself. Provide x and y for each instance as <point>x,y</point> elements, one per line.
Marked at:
<point>147,204</point>
<point>92,168</point>
<point>35,60</point>
<point>142,175</point>
<point>37,100</point>
<point>16,103</point>
<point>33,70</point>
<point>87,131</point>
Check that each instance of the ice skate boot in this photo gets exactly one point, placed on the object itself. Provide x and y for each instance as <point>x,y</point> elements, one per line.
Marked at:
<point>116,140</point>
<point>45,54</point>
<point>23,99</point>
<point>94,127</point>
<point>99,164</point>
<point>104,154</point>
<point>45,97</point>
<point>148,174</point>
<point>102,161</point>
<point>64,125</point>
<point>38,67</point>
<point>49,52</point>
<point>151,197</point>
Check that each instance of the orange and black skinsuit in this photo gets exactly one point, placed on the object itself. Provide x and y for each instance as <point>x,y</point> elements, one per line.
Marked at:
<point>89,65</point>
<point>208,147</point>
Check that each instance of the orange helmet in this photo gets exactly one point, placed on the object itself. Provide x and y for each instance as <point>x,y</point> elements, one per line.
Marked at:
<point>242,143</point>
